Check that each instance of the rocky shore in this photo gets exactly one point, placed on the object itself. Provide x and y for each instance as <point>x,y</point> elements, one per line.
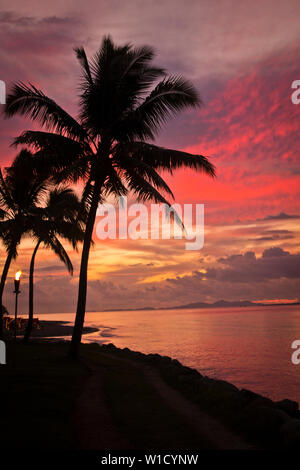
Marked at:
<point>265,423</point>
<point>261,421</point>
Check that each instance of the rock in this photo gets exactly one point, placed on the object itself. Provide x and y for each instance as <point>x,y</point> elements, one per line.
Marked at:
<point>189,371</point>
<point>290,432</point>
<point>126,350</point>
<point>166,359</point>
<point>289,406</point>
<point>222,395</point>
<point>196,373</point>
<point>297,414</point>
<point>185,379</point>
<point>221,385</point>
<point>110,347</point>
<point>292,426</point>
<point>251,397</point>
<point>170,371</point>
<point>137,355</point>
<point>263,422</point>
<point>175,362</point>
<point>153,358</point>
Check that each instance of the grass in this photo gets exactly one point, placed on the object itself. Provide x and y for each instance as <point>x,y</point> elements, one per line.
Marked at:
<point>39,390</point>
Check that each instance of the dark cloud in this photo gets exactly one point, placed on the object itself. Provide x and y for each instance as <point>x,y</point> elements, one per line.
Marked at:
<point>13,19</point>
<point>273,235</point>
<point>37,50</point>
<point>275,263</point>
<point>51,268</point>
<point>248,127</point>
<point>281,216</point>
<point>275,274</point>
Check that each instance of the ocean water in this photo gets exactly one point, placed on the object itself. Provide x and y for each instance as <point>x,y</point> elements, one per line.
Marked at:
<point>250,347</point>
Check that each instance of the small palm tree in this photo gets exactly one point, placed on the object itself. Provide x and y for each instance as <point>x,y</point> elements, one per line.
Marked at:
<point>62,217</point>
<point>123,103</point>
<point>21,187</point>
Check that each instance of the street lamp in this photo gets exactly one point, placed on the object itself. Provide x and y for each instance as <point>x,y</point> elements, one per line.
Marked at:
<point>17,292</point>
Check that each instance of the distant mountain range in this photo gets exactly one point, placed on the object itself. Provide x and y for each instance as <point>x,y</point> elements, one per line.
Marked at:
<point>221,304</point>
<point>218,304</point>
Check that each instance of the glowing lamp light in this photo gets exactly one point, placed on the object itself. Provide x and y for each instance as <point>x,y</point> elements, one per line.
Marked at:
<point>17,292</point>
<point>17,281</point>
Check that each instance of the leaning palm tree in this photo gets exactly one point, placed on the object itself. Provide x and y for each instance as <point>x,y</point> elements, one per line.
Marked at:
<point>21,187</point>
<point>124,100</point>
<point>61,217</point>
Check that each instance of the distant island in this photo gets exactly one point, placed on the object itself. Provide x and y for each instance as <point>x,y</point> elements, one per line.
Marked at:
<point>218,304</point>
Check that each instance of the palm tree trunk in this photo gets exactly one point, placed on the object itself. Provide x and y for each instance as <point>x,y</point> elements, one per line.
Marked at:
<point>2,284</point>
<point>82,289</point>
<point>30,311</point>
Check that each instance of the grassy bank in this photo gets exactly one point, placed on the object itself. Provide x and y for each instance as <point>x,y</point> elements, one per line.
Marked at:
<point>38,392</point>
<point>40,388</point>
<point>116,398</point>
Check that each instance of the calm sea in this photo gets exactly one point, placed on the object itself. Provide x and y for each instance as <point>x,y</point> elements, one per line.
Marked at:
<point>250,347</point>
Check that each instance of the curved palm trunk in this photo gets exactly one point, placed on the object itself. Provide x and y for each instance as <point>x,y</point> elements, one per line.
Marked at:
<point>30,311</point>
<point>82,290</point>
<point>2,285</point>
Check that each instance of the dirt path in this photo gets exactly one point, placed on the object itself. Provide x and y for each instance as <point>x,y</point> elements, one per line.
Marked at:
<point>94,426</point>
<point>93,414</point>
<point>203,424</point>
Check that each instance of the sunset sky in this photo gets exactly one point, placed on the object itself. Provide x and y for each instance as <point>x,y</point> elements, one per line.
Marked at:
<point>242,57</point>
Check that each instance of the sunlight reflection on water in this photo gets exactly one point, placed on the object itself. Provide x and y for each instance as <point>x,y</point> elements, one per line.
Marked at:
<point>250,347</point>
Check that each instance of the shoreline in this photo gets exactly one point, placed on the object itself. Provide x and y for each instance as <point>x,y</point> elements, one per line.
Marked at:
<point>56,328</point>
<point>216,393</point>
<point>222,413</point>
<point>262,422</point>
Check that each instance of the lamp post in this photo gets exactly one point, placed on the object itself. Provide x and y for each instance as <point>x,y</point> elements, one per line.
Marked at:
<point>17,292</point>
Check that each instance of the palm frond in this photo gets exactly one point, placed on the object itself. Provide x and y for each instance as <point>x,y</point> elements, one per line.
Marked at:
<point>28,101</point>
<point>161,158</point>
<point>3,214</point>
<point>41,140</point>
<point>26,180</point>
<point>113,183</point>
<point>142,168</point>
<point>81,56</point>
<point>5,196</point>
<point>59,250</point>
<point>87,194</point>
<point>170,96</point>
<point>144,192</point>
<point>141,188</point>
<point>10,238</point>
<point>62,203</point>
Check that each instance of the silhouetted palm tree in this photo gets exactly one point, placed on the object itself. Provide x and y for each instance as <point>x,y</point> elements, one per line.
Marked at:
<point>124,101</point>
<point>62,217</point>
<point>21,187</point>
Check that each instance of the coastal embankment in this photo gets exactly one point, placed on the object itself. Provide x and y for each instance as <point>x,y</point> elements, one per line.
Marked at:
<point>116,398</point>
